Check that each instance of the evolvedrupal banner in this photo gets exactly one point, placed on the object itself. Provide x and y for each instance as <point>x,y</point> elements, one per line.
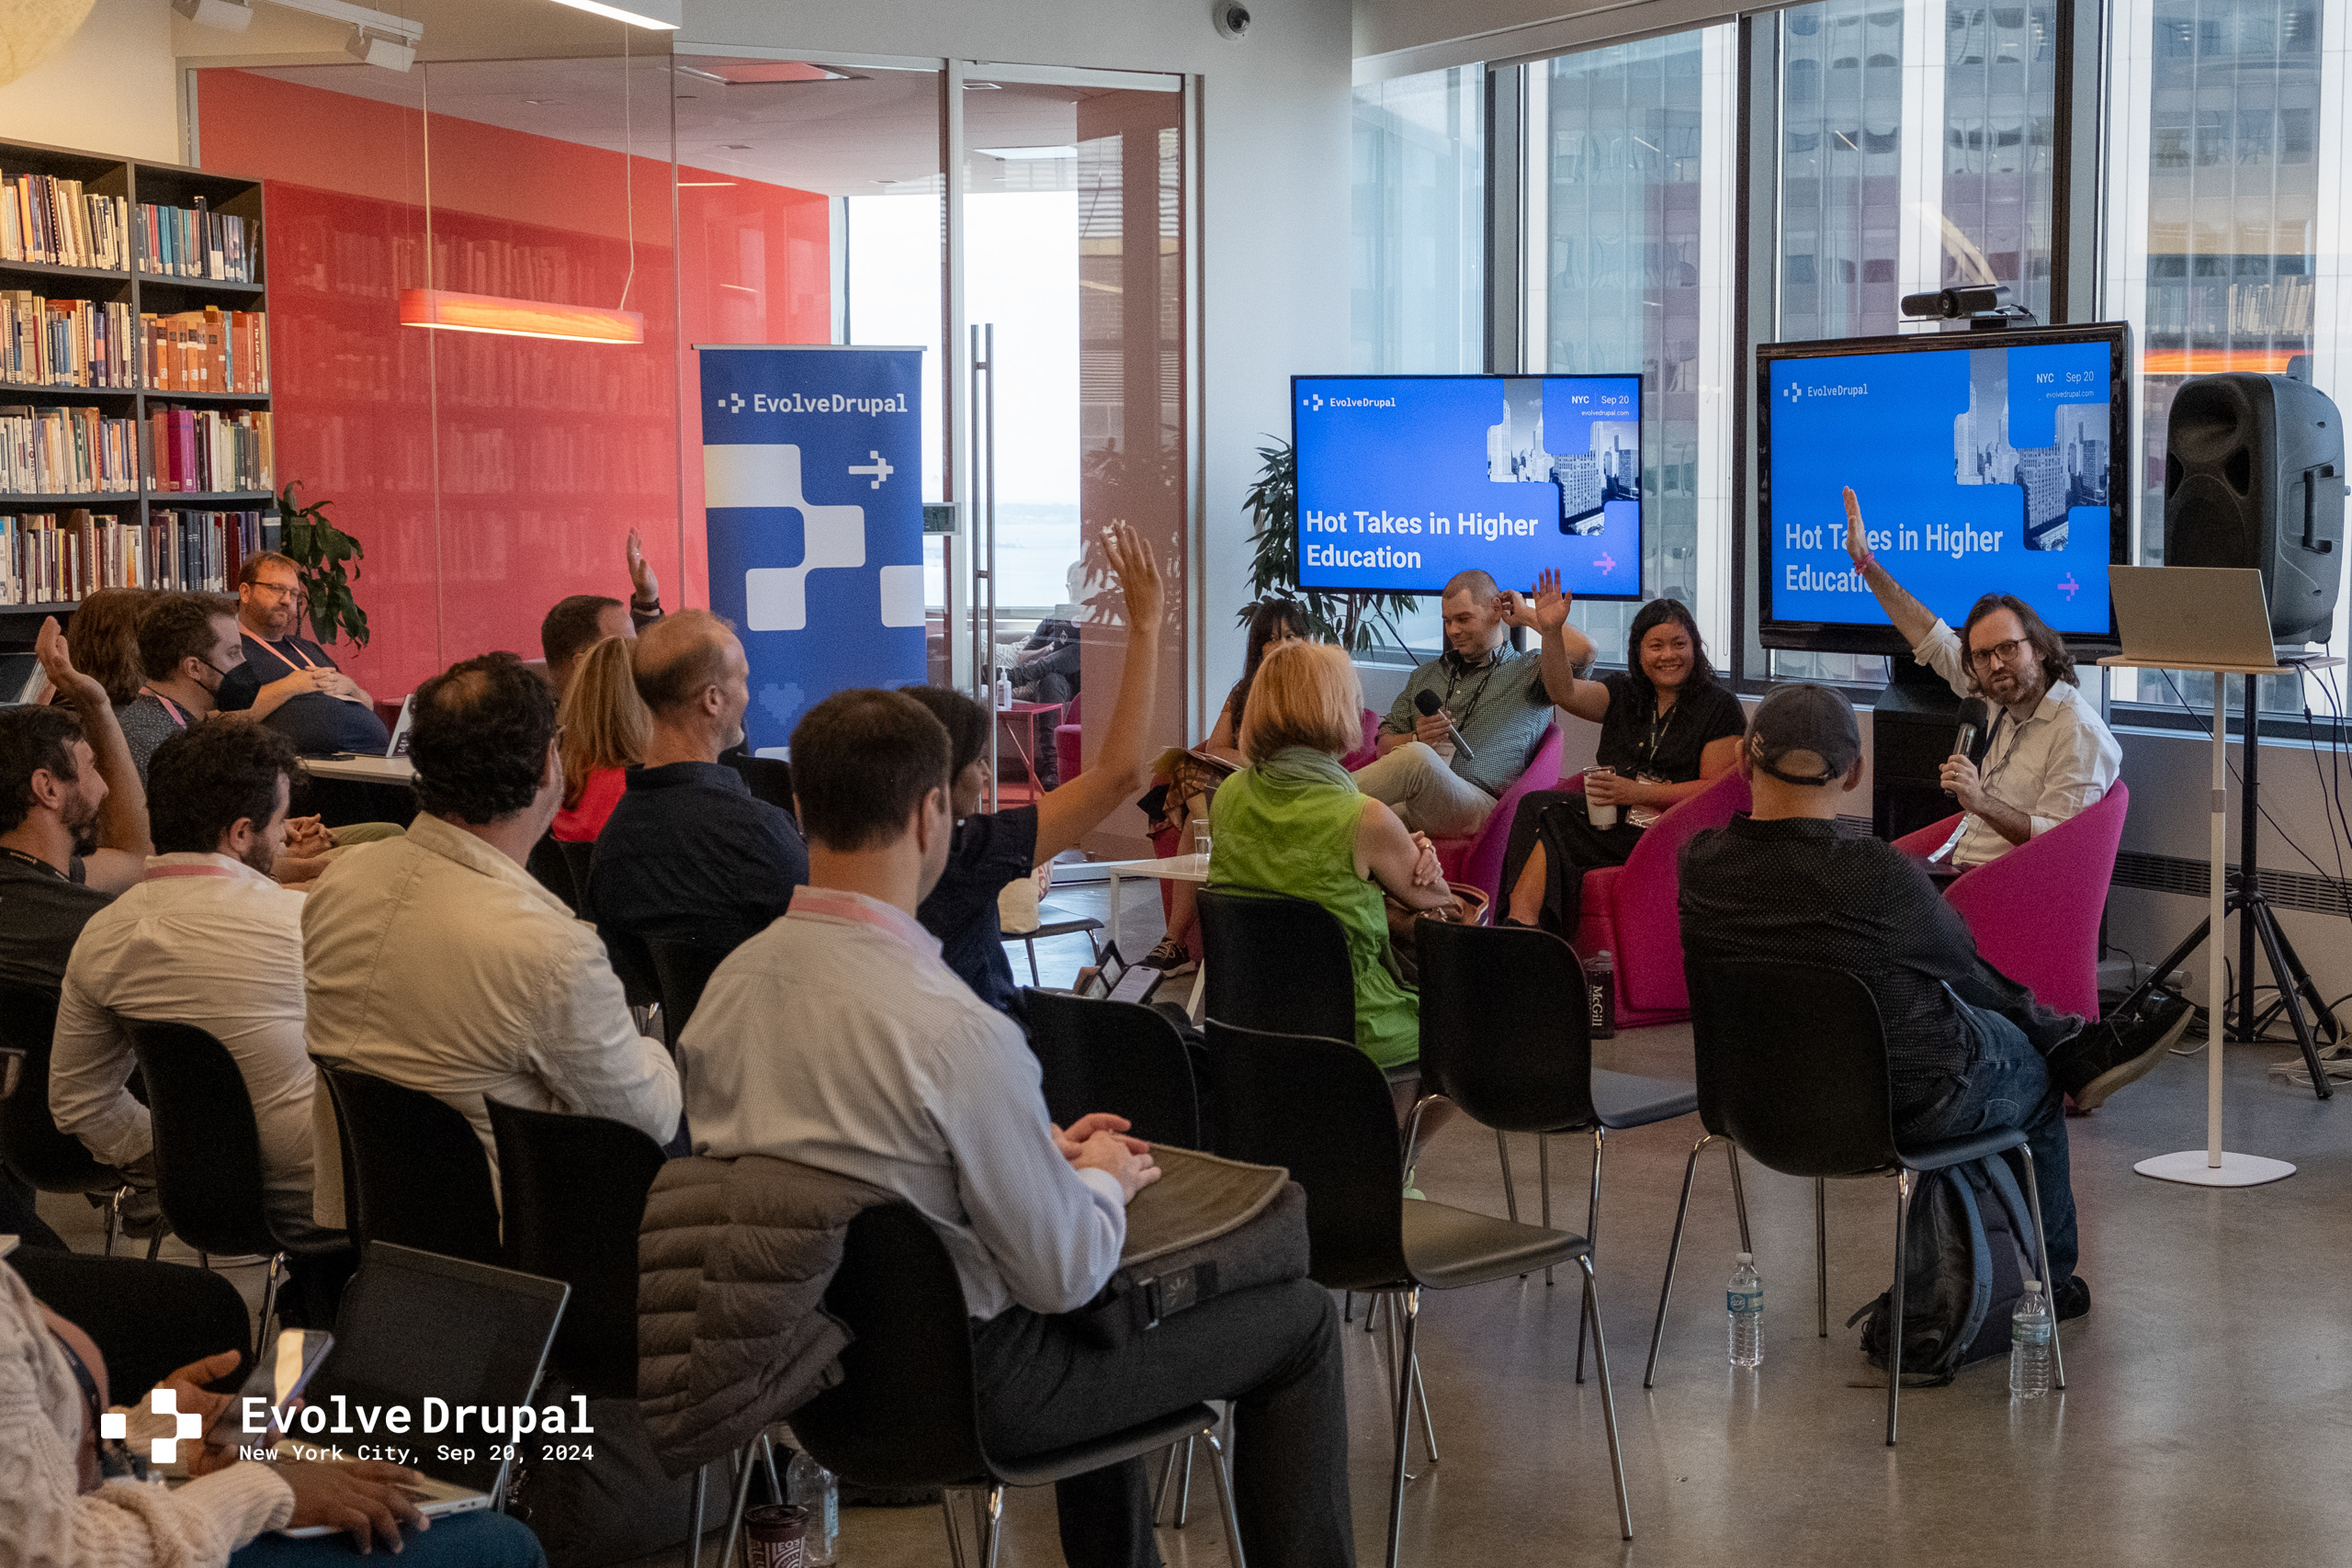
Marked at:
<point>812,497</point>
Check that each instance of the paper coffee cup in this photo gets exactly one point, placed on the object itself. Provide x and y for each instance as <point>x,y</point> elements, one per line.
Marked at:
<point>1602,815</point>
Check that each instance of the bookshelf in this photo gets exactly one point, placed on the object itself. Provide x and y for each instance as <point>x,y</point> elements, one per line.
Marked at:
<point>140,285</point>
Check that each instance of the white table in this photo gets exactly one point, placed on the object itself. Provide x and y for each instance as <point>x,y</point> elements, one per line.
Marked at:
<point>1175,868</point>
<point>365,769</point>
<point>2212,1166</point>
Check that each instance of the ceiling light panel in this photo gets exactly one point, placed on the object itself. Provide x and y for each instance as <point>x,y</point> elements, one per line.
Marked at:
<point>667,14</point>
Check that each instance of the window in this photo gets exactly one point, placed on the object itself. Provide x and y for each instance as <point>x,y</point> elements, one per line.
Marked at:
<point>1418,262</point>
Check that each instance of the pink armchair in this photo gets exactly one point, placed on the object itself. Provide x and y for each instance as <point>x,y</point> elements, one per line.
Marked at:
<point>1068,736</point>
<point>2035,911</point>
<point>1632,911</point>
<point>1479,859</point>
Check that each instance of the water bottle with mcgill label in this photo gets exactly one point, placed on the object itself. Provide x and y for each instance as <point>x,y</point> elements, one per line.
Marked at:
<point>1600,994</point>
<point>1744,1299</point>
<point>2029,1328</point>
<point>812,1486</point>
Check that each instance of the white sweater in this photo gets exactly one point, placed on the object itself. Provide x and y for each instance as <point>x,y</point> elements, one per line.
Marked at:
<point>45,1523</point>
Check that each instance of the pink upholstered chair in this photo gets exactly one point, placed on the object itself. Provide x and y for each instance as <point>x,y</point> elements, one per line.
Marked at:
<point>1069,758</point>
<point>1479,859</point>
<point>1633,913</point>
<point>2035,911</point>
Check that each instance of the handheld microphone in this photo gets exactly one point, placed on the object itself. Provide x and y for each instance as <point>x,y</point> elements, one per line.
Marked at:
<point>1426,701</point>
<point>1971,726</point>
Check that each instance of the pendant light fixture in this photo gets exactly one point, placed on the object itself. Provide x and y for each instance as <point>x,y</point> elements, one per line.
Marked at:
<point>444,310</point>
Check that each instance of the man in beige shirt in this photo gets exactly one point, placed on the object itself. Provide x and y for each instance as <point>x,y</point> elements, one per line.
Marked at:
<point>436,961</point>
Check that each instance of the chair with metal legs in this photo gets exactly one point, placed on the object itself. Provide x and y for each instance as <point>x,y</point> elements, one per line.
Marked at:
<point>1321,1109</point>
<point>1527,1067</point>
<point>1792,1068</point>
<point>44,1159</point>
<point>906,1412</point>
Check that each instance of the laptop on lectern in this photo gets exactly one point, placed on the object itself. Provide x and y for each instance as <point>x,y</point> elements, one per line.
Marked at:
<point>2193,617</point>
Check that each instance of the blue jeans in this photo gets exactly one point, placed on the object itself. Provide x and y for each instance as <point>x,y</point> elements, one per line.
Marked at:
<point>456,1541</point>
<point>2008,1085</point>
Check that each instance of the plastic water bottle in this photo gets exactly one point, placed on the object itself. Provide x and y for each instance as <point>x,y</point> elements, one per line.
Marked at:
<point>1744,1301</point>
<point>812,1487</point>
<point>2030,1344</point>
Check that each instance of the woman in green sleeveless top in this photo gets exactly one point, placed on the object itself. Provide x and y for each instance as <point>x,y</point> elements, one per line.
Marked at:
<point>1293,822</point>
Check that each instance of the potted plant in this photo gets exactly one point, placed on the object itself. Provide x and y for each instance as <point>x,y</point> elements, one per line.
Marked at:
<point>1344,618</point>
<point>319,549</point>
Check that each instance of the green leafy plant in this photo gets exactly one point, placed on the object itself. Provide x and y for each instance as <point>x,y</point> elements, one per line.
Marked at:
<point>1342,618</point>
<point>319,549</point>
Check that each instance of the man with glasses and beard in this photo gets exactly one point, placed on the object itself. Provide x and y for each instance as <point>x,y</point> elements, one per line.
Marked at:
<point>306,697</point>
<point>2049,755</point>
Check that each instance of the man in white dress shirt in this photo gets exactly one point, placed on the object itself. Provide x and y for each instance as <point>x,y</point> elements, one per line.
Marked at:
<point>436,961</point>
<point>207,938</point>
<point>2050,755</point>
<point>837,1037</point>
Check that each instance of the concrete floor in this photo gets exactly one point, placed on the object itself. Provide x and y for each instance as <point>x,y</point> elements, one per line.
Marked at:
<point>2206,1421</point>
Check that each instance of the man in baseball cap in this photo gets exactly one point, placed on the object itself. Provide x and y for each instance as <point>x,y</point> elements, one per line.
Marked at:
<point>1965,1044</point>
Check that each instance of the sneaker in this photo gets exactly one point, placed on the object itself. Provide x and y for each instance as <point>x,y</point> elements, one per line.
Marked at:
<point>1170,957</point>
<point>2071,1299</point>
<point>2119,1052</point>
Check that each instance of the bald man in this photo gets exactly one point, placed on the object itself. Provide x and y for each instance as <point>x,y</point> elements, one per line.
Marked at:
<point>688,854</point>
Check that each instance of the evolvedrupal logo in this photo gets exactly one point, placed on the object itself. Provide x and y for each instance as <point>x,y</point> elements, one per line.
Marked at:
<point>186,1426</point>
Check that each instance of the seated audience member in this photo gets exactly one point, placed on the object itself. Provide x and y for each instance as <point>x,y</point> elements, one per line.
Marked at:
<point>606,732</point>
<point>73,819</point>
<point>690,854</point>
<point>187,645</point>
<point>1965,1044</point>
<point>305,694</point>
<point>1191,782</point>
<point>579,623</point>
<point>2049,754</point>
<point>207,939</point>
<point>104,633</point>
<point>436,961</point>
<point>1497,700</point>
<point>60,1506</point>
<point>991,848</point>
<point>837,1037</point>
<point>1667,730</point>
<point>1293,823</point>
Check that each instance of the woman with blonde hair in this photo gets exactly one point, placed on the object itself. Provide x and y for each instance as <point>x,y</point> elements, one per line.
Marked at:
<point>606,730</point>
<point>1293,823</point>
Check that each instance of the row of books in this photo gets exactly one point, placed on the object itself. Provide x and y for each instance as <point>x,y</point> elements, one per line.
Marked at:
<point>209,449</point>
<point>67,451</point>
<point>65,342</point>
<point>209,350</point>
<point>182,241</point>
<point>46,558</point>
<point>43,219</point>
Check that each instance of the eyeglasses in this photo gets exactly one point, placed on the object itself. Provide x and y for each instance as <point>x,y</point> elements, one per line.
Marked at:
<point>281,590</point>
<point>2002,653</point>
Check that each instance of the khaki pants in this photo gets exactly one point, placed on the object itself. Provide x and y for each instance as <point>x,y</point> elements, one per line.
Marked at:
<point>1426,794</point>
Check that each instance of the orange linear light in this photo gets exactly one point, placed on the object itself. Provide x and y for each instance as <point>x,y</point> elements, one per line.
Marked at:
<point>2213,361</point>
<point>446,311</point>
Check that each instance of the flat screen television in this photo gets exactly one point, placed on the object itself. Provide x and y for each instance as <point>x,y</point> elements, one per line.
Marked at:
<point>1405,480</point>
<point>1984,461</point>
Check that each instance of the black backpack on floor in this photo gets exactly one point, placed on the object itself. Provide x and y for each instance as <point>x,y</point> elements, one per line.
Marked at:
<point>1970,1251</point>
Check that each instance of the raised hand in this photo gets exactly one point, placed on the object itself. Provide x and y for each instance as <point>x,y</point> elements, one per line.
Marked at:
<point>644,586</point>
<point>1551,602</point>
<point>57,663</point>
<point>1858,544</point>
<point>1137,574</point>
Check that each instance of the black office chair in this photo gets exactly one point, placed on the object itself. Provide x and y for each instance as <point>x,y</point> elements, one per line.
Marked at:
<point>1276,964</point>
<point>633,961</point>
<point>681,970</point>
<point>414,1170</point>
<point>30,1144</point>
<point>553,871</point>
<point>577,858</point>
<point>208,1152</point>
<point>147,1319</point>
<point>1115,1056</point>
<point>1527,1067</point>
<point>768,779</point>
<point>1321,1109</point>
<point>574,1191</point>
<point>1792,1068</point>
<point>906,1412</point>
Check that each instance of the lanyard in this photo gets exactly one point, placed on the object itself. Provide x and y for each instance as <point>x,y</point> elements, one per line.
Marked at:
<point>1454,682</point>
<point>155,873</point>
<point>1659,725</point>
<point>295,645</point>
<point>170,707</point>
<point>36,862</point>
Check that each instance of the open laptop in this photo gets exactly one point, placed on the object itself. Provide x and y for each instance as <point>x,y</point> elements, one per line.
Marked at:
<point>416,1325</point>
<point>2193,617</point>
<point>398,746</point>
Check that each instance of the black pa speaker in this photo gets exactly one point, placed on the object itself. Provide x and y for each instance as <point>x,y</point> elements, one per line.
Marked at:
<point>2253,477</point>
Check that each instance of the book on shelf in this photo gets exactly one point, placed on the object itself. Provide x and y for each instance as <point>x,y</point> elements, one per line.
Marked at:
<point>209,350</point>
<point>67,451</point>
<point>47,558</point>
<point>181,241</point>
<point>65,342</point>
<point>209,449</point>
<point>47,219</point>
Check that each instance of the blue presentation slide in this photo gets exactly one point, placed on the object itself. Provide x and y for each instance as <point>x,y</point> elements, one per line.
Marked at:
<point>1405,480</point>
<point>1979,469</point>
